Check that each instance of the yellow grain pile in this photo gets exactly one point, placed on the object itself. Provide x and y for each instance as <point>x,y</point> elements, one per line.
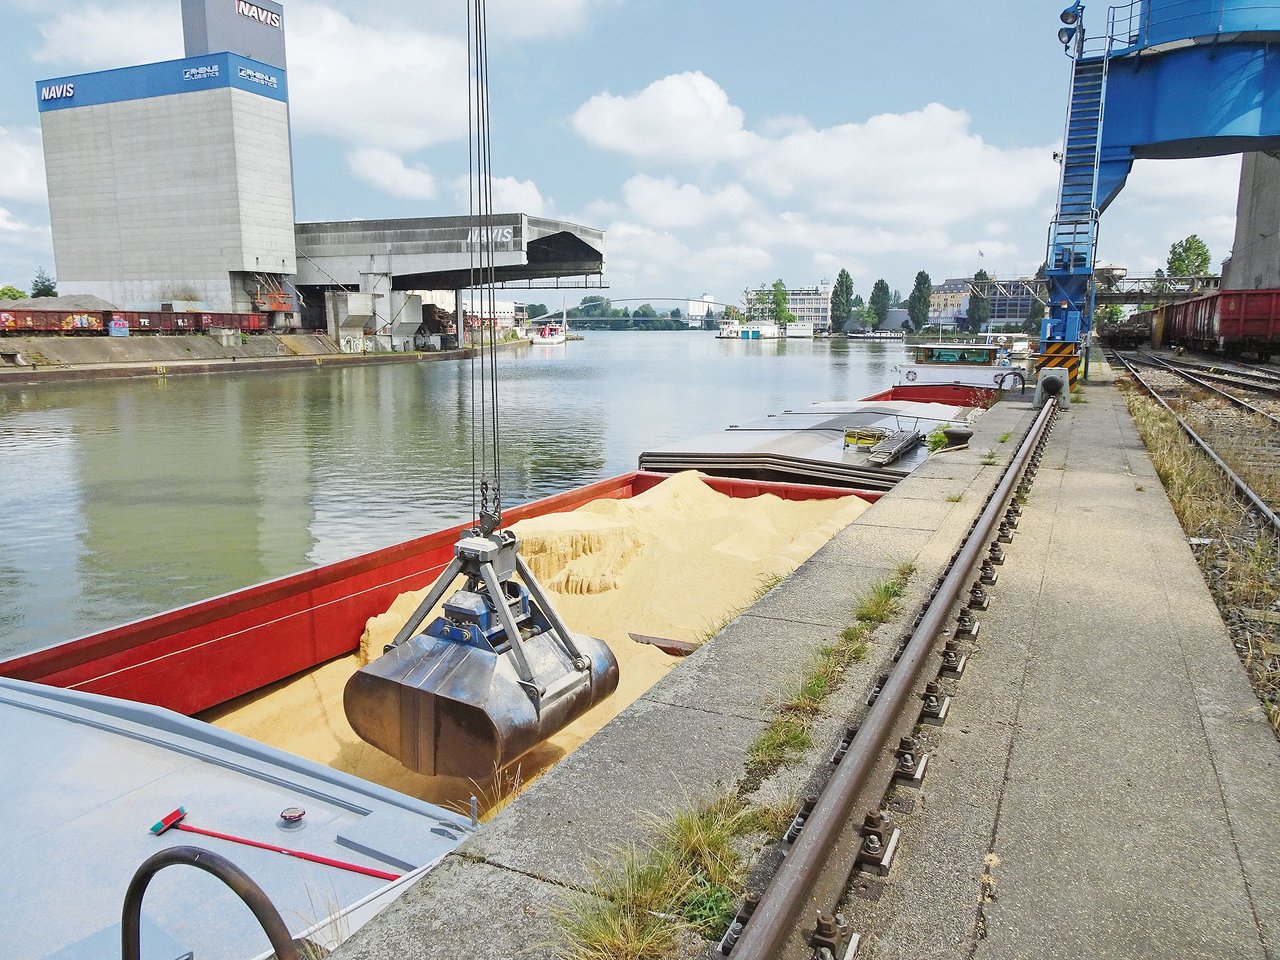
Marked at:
<point>676,561</point>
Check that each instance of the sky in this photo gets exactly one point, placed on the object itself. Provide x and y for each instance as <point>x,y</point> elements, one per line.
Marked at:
<point>721,145</point>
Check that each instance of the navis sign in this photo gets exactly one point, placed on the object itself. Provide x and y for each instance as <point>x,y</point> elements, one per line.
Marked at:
<point>58,91</point>
<point>490,234</point>
<point>257,14</point>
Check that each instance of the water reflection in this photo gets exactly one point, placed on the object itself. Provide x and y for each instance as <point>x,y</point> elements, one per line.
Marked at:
<point>124,498</point>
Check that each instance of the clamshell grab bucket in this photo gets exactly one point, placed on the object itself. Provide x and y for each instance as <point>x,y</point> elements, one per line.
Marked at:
<point>484,683</point>
<point>442,708</point>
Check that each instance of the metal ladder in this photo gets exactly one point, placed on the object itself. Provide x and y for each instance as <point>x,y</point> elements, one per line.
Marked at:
<point>1073,234</point>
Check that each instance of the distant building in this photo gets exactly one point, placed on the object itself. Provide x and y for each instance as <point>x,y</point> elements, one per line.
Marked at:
<point>1010,311</point>
<point>949,301</point>
<point>810,305</point>
<point>700,309</point>
<point>896,320</point>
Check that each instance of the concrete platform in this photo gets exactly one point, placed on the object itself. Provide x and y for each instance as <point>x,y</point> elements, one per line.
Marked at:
<point>688,737</point>
<point>1106,785</point>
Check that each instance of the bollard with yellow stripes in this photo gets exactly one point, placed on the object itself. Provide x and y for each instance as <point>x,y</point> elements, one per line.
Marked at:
<point>1059,354</point>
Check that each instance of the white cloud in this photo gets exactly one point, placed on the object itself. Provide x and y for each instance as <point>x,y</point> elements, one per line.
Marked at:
<point>886,196</point>
<point>26,247</point>
<point>658,263</point>
<point>1165,201</point>
<point>18,230</point>
<point>391,87</point>
<point>666,203</point>
<point>523,19</point>
<point>509,196</point>
<point>920,168</point>
<point>23,177</point>
<point>519,196</point>
<point>685,116</point>
<point>388,171</point>
<point>98,36</point>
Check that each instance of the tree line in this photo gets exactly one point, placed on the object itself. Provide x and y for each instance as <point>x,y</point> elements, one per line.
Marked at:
<point>1187,258</point>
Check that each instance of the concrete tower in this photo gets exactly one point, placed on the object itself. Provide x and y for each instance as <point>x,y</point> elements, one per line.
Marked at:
<point>172,182</point>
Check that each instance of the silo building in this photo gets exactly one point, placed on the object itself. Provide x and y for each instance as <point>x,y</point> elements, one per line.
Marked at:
<point>171,183</point>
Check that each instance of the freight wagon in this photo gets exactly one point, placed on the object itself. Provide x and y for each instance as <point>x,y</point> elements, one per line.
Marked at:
<point>1126,332</point>
<point>99,322</point>
<point>1230,322</point>
<point>52,321</point>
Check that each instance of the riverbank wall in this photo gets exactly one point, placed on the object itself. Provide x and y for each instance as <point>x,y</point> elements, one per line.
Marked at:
<point>28,360</point>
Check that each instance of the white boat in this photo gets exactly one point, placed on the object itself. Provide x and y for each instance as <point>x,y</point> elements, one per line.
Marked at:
<point>1017,345</point>
<point>963,364</point>
<point>551,332</point>
<point>874,335</point>
<point>750,330</point>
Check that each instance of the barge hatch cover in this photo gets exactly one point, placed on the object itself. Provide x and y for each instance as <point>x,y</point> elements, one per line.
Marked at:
<point>808,445</point>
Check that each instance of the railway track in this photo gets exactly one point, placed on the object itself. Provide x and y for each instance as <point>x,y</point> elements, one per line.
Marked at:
<point>1240,435</point>
<point>1254,380</point>
<point>845,829</point>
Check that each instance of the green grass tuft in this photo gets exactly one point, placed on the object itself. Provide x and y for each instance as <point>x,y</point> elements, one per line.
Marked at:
<point>786,738</point>
<point>689,878</point>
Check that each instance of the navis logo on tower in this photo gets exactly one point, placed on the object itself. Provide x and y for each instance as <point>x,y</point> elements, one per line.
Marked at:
<point>58,91</point>
<point>255,12</point>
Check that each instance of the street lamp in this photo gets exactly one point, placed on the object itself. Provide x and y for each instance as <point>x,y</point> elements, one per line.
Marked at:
<point>1072,14</point>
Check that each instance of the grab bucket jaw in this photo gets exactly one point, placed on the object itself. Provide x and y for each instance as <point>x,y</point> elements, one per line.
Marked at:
<point>486,682</point>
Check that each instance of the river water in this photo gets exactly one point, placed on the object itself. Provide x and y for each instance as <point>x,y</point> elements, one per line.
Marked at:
<point>119,499</point>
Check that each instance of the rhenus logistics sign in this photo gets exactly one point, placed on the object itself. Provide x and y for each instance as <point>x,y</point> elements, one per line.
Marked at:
<point>256,13</point>
<point>209,72</point>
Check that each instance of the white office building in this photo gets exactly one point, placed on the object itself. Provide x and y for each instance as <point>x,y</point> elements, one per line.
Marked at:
<point>811,307</point>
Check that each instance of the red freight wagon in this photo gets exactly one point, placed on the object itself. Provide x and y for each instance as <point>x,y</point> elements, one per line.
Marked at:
<point>1230,322</point>
<point>51,321</point>
<point>165,321</point>
<point>233,321</point>
<point>1250,317</point>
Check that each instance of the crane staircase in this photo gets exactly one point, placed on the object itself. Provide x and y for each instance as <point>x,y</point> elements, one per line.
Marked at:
<point>1073,232</point>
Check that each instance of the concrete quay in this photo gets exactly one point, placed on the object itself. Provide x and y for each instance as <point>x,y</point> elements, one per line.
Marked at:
<point>688,737</point>
<point>68,359</point>
<point>1106,784</point>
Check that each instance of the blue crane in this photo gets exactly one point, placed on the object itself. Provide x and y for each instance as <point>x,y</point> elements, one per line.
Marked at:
<point>1167,79</point>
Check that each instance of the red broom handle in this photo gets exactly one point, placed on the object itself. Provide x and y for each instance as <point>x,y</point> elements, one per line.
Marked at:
<point>314,858</point>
